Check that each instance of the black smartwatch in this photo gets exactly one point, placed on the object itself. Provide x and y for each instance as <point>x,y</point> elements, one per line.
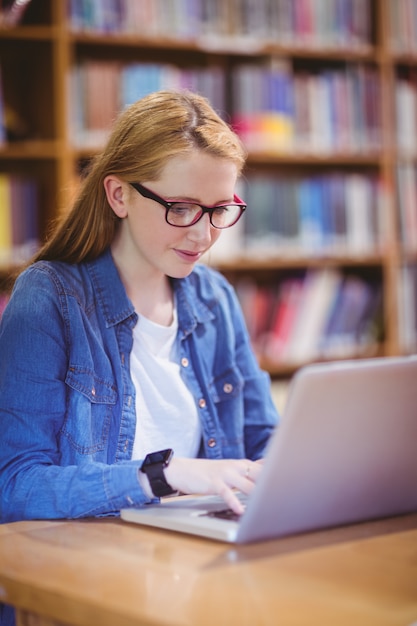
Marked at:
<point>153,466</point>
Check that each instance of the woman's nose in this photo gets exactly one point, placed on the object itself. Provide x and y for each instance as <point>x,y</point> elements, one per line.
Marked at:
<point>201,230</point>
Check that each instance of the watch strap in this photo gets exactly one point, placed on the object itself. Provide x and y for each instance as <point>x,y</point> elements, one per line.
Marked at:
<point>158,483</point>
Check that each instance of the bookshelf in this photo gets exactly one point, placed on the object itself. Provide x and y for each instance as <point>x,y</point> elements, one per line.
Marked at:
<point>359,74</point>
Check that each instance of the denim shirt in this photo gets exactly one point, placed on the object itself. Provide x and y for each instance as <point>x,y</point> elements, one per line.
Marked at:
<point>67,401</point>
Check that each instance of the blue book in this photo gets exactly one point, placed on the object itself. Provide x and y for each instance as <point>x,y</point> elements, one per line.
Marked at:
<point>310,212</point>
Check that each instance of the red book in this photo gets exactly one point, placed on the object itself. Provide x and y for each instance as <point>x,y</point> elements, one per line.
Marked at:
<point>284,320</point>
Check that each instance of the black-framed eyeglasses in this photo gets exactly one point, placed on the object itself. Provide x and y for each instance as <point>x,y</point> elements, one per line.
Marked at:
<point>181,213</point>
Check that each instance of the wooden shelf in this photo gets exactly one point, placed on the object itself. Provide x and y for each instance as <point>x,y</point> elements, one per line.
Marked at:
<point>28,150</point>
<point>29,33</point>
<point>251,263</point>
<point>358,159</point>
<point>37,57</point>
<point>245,45</point>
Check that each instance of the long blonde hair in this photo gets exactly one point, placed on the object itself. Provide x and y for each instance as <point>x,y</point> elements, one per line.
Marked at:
<point>146,135</point>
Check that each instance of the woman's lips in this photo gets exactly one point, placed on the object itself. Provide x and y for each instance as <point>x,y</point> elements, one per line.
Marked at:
<point>186,255</point>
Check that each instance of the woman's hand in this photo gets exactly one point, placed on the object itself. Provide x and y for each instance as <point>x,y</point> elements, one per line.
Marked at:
<point>214,477</point>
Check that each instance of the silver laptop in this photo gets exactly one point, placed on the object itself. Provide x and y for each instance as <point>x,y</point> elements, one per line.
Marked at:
<point>345,451</point>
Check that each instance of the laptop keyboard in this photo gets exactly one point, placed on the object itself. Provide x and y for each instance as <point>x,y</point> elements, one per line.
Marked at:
<point>227,514</point>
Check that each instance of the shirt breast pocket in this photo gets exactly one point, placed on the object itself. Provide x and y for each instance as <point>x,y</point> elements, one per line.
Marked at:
<point>91,399</point>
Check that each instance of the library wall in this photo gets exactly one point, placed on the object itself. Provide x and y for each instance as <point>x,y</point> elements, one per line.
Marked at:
<point>323,94</point>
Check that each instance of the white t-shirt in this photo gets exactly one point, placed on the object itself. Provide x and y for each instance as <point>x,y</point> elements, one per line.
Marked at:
<point>166,414</point>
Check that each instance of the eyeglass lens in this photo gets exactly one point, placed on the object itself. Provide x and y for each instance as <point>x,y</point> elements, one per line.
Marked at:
<point>185,214</point>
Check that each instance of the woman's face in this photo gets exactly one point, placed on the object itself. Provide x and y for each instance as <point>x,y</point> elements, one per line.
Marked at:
<point>147,242</point>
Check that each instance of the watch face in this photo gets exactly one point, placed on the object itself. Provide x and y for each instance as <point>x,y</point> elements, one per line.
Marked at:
<point>162,456</point>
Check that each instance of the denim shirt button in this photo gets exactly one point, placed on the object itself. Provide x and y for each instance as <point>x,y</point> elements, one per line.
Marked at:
<point>228,388</point>
<point>202,403</point>
<point>211,443</point>
<point>184,362</point>
<point>93,392</point>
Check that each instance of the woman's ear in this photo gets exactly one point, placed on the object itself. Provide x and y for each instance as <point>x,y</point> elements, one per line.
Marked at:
<point>116,195</point>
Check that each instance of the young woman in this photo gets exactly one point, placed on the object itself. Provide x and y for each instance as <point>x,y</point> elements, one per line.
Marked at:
<point>126,371</point>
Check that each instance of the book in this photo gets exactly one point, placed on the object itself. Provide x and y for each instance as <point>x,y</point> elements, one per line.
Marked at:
<point>318,294</point>
<point>6,236</point>
<point>260,228</point>
<point>359,201</point>
<point>257,305</point>
<point>25,205</point>
<point>3,132</point>
<point>350,327</point>
<point>407,307</point>
<point>94,101</point>
<point>407,199</point>
<point>19,235</point>
<point>405,118</point>
<point>12,12</point>
<point>310,207</point>
<point>276,342</point>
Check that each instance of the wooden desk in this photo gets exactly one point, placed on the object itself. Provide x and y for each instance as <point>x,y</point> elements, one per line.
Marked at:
<point>110,573</point>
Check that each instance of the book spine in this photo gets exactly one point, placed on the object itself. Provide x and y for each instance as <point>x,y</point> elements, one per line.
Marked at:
<point>407,198</point>
<point>6,234</point>
<point>407,307</point>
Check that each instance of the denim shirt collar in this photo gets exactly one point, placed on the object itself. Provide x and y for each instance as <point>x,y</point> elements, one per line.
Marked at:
<point>109,289</point>
<point>193,308</point>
